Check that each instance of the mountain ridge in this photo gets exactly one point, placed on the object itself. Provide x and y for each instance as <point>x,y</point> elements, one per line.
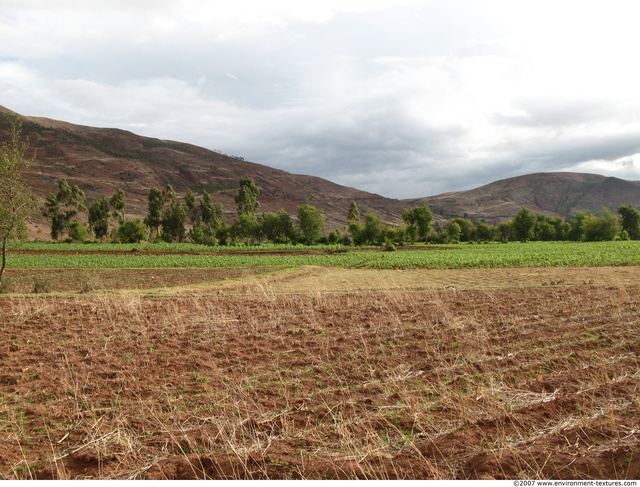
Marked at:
<point>102,160</point>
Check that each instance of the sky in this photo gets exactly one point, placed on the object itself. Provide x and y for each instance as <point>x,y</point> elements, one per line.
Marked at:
<point>397,97</point>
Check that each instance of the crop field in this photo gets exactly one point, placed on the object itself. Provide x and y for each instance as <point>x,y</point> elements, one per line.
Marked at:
<point>514,361</point>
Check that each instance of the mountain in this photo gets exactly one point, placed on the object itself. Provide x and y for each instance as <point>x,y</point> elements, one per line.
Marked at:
<point>102,160</point>
<point>554,194</point>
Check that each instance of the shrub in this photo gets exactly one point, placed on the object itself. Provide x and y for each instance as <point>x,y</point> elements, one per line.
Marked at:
<point>42,286</point>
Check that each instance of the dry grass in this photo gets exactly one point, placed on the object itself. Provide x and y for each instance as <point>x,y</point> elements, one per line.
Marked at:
<point>511,383</point>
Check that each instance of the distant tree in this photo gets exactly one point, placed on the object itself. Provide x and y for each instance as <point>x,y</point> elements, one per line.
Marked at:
<point>168,193</point>
<point>63,208</point>
<point>630,220</point>
<point>310,223</point>
<point>78,231</point>
<point>524,224</point>
<point>206,208</point>
<point>277,227</point>
<point>467,229</point>
<point>544,231</point>
<point>118,204</point>
<point>153,220</point>
<point>373,230</point>
<point>98,217</point>
<point>173,220</point>
<point>16,203</point>
<point>504,231</point>
<point>576,225</point>
<point>190,203</point>
<point>247,197</point>
<point>484,232</point>
<point>246,228</point>
<point>132,231</point>
<point>418,222</point>
<point>453,231</point>
<point>354,213</point>
<point>605,227</point>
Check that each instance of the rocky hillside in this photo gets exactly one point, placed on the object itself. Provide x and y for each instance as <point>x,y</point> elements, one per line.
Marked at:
<point>550,194</point>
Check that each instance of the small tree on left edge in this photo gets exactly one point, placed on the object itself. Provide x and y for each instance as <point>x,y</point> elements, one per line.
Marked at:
<point>16,203</point>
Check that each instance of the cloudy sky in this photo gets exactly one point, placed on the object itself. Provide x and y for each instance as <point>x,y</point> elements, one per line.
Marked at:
<point>402,98</point>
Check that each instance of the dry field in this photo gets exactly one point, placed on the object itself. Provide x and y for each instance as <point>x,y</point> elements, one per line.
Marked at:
<point>322,374</point>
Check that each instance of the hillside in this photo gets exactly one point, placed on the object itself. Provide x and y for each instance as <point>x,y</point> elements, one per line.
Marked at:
<point>101,160</point>
<point>552,194</point>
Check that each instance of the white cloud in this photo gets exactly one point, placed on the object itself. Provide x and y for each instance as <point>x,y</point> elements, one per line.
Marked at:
<point>400,98</point>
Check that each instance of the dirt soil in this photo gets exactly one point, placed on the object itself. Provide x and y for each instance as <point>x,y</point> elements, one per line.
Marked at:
<point>424,376</point>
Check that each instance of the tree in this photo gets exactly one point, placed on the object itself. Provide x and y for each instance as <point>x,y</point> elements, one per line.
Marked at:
<point>630,220</point>
<point>16,204</point>
<point>418,222</point>
<point>247,197</point>
<point>354,213</point>
<point>173,219</point>
<point>277,227</point>
<point>63,207</point>
<point>467,229</point>
<point>524,224</point>
<point>190,203</point>
<point>246,228</point>
<point>99,217</point>
<point>599,229</point>
<point>153,220</point>
<point>206,208</point>
<point>310,222</point>
<point>132,231</point>
<point>373,230</point>
<point>119,204</point>
<point>453,231</point>
<point>484,232</point>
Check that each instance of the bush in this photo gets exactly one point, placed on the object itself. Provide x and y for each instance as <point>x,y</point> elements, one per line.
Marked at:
<point>7,285</point>
<point>132,231</point>
<point>42,286</point>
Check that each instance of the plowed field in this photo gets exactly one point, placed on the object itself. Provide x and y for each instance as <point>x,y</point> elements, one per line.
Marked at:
<point>323,374</point>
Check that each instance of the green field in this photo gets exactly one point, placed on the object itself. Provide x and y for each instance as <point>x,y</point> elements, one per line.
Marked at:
<point>463,256</point>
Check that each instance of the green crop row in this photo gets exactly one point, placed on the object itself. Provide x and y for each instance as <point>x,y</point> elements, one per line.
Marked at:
<point>536,254</point>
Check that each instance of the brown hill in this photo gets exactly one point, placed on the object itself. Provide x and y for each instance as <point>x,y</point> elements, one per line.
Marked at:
<point>552,194</point>
<point>102,160</point>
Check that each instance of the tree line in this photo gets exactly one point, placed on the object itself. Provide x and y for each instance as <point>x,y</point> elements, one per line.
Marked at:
<point>196,218</point>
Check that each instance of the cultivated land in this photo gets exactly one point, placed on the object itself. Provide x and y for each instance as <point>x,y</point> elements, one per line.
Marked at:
<point>345,365</point>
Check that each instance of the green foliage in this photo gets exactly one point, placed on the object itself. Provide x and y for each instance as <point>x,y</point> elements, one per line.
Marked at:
<point>132,231</point>
<point>173,220</point>
<point>630,220</point>
<point>418,222</point>
<point>16,204</point>
<point>602,228</point>
<point>153,220</point>
<point>246,229</point>
<point>278,227</point>
<point>190,204</point>
<point>453,232</point>
<point>99,218</point>
<point>492,255</point>
<point>354,213</point>
<point>78,231</point>
<point>42,286</point>
<point>118,204</point>
<point>63,208</point>
<point>524,225</point>
<point>310,222</point>
<point>247,197</point>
